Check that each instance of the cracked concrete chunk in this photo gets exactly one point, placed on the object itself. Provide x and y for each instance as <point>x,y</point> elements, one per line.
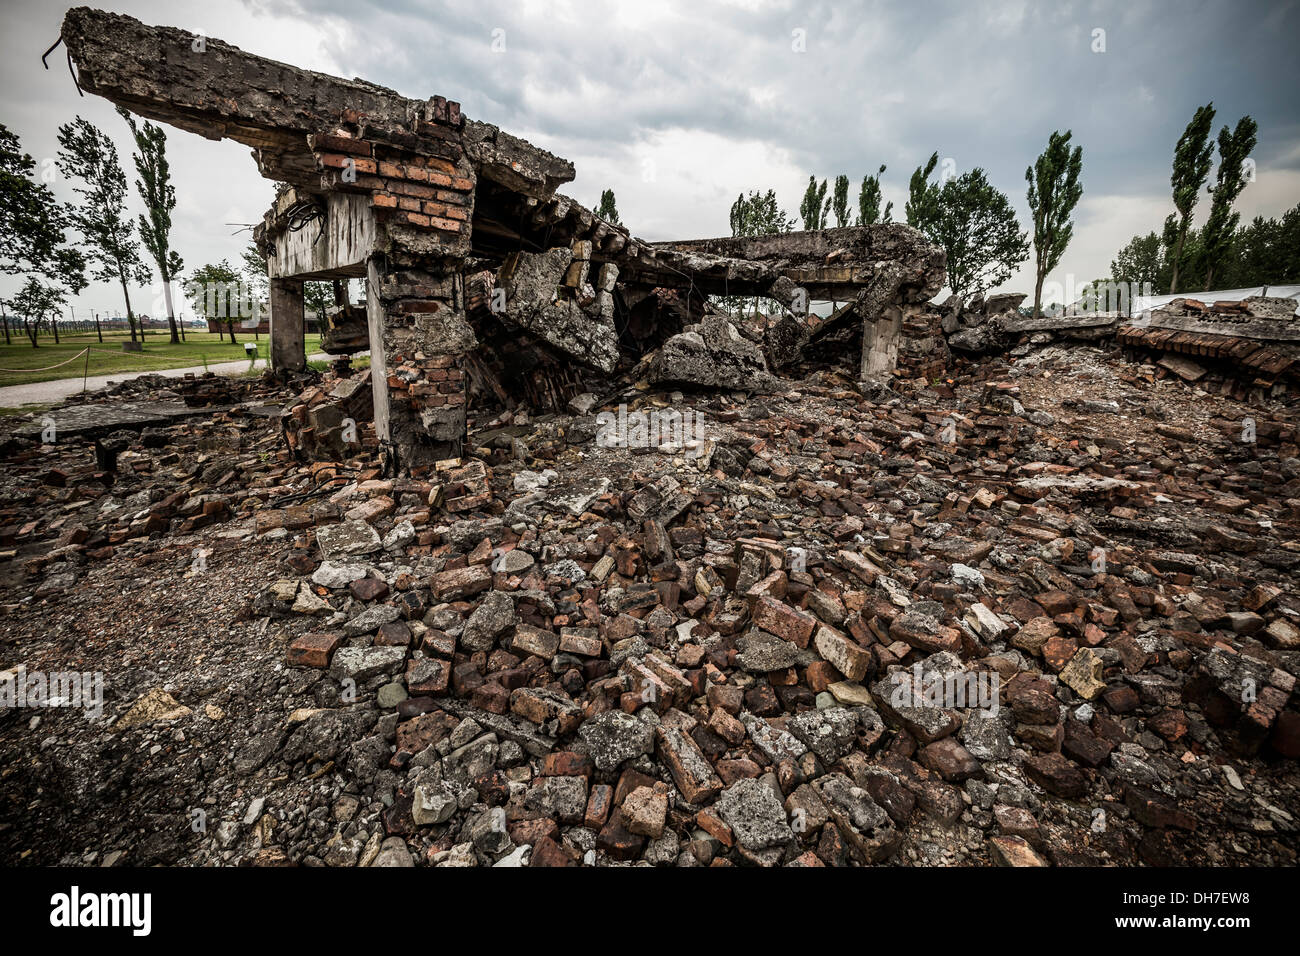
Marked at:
<point>715,356</point>
<point>612,738</point>
<point>755,814</point>
<point>347,538</point>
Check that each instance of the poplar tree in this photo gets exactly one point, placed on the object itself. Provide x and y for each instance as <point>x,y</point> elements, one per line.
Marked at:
<point>1191,167</point>
<point>1217,236</point>
<point>107,233</point>
<point>840,201</point>
<point>159,196</point>
<point>869,197</point>
<point>815,205</point>
<point>1054,191</point>
<point>608,211</point>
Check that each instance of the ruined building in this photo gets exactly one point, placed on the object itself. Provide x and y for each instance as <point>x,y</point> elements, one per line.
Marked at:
<point>481,278</point>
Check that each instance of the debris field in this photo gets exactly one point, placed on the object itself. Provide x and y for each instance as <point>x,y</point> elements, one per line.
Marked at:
<point>596,564</point>
<point>554,652</point>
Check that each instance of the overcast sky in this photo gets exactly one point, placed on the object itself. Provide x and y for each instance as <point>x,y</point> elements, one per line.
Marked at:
<point>679,105</point>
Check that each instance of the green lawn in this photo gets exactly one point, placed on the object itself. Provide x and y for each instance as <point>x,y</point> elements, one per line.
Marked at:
<point>109,359</point>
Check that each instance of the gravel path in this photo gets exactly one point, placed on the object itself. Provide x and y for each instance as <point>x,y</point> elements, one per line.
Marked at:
<point>49,393</point>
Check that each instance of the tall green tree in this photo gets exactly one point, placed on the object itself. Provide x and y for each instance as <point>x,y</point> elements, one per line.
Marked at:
<point>155,188</point>
<point>1288,242</point>
<point>1142,261</point>
<point>869,197</point>
<point>108,234</point>
<point>977,228</point>
<point>1191,167</point>
<point>608,211</point>
<point>1266,252</point>
<point>318,297</point>
<point>1216,238</point>
<point>254,272</point>
<point>840,200</point>
<point>1054,191</point>
<point>254,269</point>
<point>218,292</point>
<point>36,301</point>
<point>922,206</point>
<point>758,214</point>
<point>1255,254</point>
<point>32,222</point>
<point>815,206</point>
<point>32,228</point>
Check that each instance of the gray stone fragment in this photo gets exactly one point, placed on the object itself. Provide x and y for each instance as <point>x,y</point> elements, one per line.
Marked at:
<point>492,618</point>
<point>715,356</point>
<point>333,574</point>
<point>393,853</point>
<point>828,733</point>
<point>775,743</point>
<point>371,620</point>
<point>433,803</point>
<point>754,814</point>
<point>347,538</point>
<point>614,737</point>
<point>761,652</point>
<point>362,663</point>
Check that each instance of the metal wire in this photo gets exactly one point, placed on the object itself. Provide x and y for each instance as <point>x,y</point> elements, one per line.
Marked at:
<point>71,72</point>
<point>303,212</point>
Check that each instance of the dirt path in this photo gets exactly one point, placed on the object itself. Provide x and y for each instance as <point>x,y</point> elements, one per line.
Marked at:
<point>49,393</point>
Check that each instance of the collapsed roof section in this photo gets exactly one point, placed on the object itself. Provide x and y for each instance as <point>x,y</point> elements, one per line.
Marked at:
<point>218,91</point>
<point>420,199</point>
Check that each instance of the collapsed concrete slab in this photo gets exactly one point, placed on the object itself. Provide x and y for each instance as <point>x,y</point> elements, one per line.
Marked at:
<point>414,197</point>
<point>553,296</point>
<point>1259,336</point>
<point>887,272</point>
<point>714,355</point>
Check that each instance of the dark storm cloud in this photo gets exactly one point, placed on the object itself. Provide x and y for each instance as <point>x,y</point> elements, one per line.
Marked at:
<point>680,105</point>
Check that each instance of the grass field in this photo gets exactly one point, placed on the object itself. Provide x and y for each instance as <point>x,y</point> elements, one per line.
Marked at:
<point>109,359</point>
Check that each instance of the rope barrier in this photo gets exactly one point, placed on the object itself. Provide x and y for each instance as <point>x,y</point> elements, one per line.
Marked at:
<point>49,367</point>
<point>89,348</point>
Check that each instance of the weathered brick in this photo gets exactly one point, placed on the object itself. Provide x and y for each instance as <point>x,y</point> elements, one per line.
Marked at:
<point>313,650</point>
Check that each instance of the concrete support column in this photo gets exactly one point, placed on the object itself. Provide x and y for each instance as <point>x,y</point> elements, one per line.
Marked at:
<point>375,324</point>
<point>418,335</point>
<point>880,337</point>
<point>288,349</point>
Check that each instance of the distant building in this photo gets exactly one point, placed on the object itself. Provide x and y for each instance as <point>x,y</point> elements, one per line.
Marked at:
<point>1145,303</point>
<point>246,326</point>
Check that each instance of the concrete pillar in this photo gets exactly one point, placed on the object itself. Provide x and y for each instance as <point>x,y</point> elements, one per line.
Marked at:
<point>378,355</point>
<point>418,335</point>
<point>880,337</point>
<point>288,350</point>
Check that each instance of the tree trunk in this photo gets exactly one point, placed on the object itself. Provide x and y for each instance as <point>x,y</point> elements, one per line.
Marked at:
<point>32,328</point>
<point>1038,294</point>
<point>130,316</point>
<point>4,316</point>
<point>171,315</point>
<point>98,329</point>
<point>1178,255</point>
<point>230,327</point>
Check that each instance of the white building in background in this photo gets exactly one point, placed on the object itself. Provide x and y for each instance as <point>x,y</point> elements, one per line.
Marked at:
<point>1145,303</point>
